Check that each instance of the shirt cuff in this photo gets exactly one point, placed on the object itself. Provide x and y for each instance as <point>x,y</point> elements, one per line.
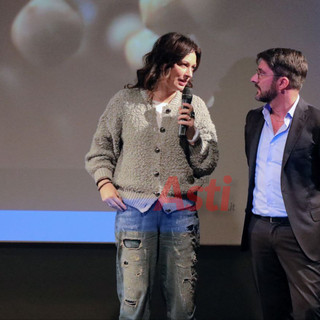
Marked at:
<point>195,137</point>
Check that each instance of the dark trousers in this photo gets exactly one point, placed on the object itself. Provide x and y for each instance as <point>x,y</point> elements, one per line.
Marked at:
<point>288,282</point>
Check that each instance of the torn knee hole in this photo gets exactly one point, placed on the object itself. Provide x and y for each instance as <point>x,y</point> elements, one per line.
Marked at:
<point>192,277</point>
<point>190,228</point>
<point>191,282</point>
<point>132,243</point>
<point>131,303</point>
<point>193,230</point>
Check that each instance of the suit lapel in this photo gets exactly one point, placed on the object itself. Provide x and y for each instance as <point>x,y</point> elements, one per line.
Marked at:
<point>299,119</point>
<point>254,134</point>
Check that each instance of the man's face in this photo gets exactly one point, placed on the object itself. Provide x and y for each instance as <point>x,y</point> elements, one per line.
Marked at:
<point>265,82</point>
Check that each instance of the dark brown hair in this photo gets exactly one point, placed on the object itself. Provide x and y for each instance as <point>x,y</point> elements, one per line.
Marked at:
<point>288,63</point>
<point>168,50</point>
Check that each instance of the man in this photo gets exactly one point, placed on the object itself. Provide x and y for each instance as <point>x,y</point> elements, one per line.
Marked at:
<point>282,224</point>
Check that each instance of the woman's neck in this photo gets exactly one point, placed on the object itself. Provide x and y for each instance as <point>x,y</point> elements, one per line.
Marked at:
<point>162,95</point>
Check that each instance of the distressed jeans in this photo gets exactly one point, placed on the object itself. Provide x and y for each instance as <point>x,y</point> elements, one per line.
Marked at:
<point>145,240</point>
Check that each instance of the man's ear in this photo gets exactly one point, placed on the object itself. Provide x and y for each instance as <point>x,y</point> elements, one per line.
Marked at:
<point>283,83</point>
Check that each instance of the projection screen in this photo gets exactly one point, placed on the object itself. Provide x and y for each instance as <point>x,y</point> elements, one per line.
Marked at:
<point>62,60</point>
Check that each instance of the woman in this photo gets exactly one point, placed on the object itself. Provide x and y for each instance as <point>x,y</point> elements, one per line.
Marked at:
<point>135,154</point>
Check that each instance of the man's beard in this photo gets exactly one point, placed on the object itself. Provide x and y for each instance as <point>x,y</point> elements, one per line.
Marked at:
<point>269,95</point>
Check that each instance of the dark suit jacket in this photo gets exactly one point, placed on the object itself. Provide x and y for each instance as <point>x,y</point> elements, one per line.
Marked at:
<point>300,177</point>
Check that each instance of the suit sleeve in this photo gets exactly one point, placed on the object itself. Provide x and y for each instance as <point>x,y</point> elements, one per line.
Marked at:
<point>246,135</point>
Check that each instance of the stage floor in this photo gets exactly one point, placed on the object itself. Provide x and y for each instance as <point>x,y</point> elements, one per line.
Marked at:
<point>77,281</point>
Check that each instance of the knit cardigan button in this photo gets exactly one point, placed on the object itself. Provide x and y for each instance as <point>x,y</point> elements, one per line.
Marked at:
<point>156,174</point>
<point>157,150</point>
<point>190,179</point>
<point>162,129</point>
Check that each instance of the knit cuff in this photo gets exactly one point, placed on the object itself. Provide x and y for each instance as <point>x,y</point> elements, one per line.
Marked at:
<point>102,173</point>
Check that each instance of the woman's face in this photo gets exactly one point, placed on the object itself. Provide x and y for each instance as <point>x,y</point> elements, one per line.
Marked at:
<point>181,73</point>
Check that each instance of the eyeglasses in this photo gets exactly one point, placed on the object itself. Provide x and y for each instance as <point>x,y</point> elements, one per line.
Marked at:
<point>262,74</point>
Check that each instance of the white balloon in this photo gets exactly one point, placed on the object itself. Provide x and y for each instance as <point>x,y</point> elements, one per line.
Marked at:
<point>151,9</point>
<point>122,28</point>
<point>47,32</point>
<point>138,45</point>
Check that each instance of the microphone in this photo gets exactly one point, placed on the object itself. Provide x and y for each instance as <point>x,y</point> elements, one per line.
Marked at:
<point>186,98</point>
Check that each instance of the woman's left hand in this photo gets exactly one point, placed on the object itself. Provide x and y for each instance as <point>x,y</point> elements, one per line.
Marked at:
<point>186,118</point>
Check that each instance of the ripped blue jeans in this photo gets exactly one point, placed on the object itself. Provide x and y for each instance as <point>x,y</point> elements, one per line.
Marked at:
<point>146,239</point>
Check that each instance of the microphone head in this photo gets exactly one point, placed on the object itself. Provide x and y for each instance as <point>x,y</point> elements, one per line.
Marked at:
<point>187,91</point>
<point>186,98</point>
<point>187,95</point>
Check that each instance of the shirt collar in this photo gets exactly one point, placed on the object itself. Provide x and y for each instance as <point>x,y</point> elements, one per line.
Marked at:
<point>267,109</point>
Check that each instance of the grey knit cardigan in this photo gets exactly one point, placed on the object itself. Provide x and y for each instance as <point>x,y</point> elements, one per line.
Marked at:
<point>138,157</point>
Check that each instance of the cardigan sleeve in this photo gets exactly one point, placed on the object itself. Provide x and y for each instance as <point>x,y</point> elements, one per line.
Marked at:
<point>204,154</point>
<point>101,160</point>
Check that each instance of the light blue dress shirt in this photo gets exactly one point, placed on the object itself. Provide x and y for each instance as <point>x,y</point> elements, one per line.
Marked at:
<point>267,196</point>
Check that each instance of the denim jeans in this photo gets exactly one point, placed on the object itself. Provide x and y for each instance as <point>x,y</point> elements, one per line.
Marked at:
<point>146,239</point>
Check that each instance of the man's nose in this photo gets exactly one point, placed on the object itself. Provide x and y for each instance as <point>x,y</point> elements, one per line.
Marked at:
<point>254,78</point>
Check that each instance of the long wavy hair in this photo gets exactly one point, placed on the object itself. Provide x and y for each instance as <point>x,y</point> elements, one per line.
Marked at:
<point>168,50</point>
